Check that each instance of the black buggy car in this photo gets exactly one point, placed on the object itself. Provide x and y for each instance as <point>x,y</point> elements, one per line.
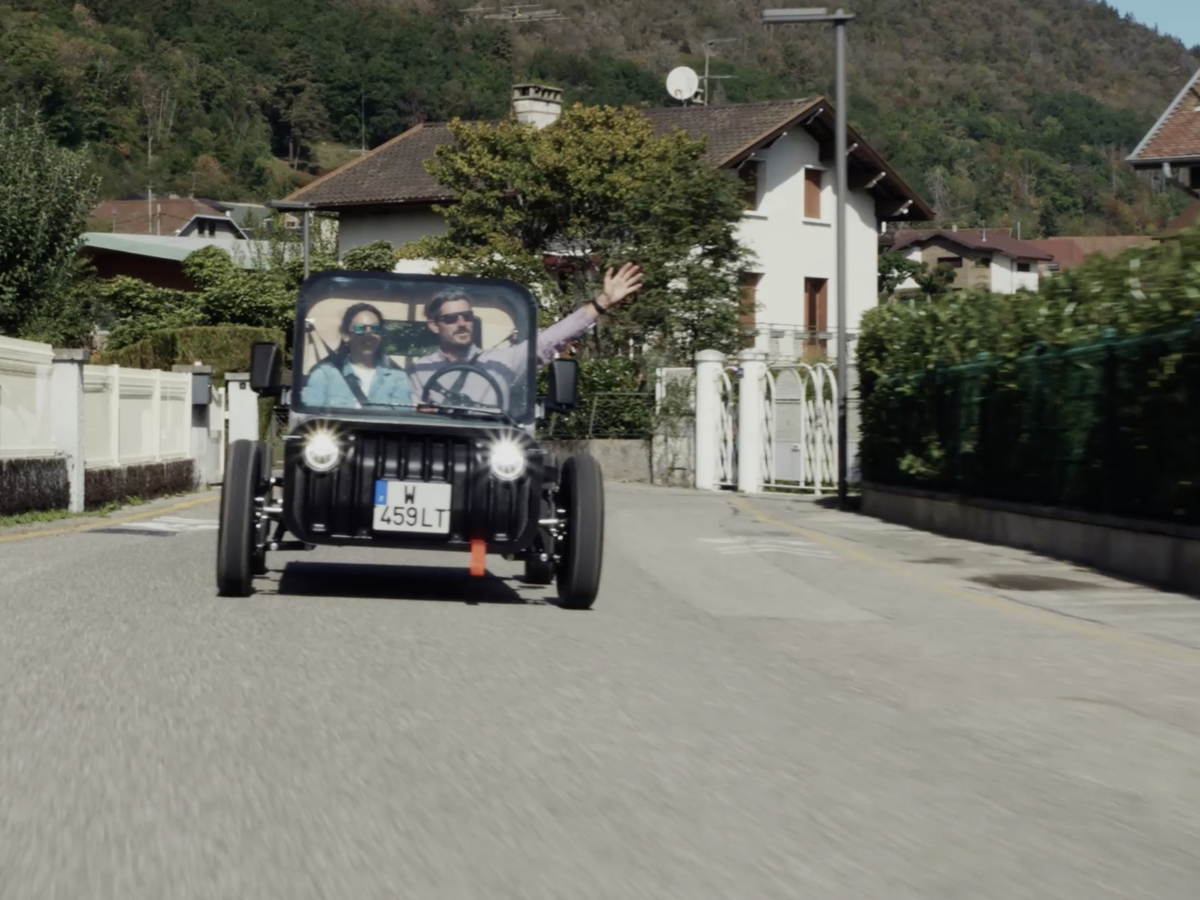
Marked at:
<point>392,443</point>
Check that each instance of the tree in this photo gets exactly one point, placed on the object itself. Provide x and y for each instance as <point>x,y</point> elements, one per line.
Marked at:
<point>895,269</point>
<point>935,282</point>
<point>553,208</point>
<point>301,109</point>
<point>45,195</point>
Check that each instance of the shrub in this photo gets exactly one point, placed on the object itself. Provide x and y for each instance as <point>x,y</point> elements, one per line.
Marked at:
<point>224,347</point>
<point>1081,394</point>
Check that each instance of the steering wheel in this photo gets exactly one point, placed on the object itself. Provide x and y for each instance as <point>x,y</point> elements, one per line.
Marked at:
<point>458,398</point>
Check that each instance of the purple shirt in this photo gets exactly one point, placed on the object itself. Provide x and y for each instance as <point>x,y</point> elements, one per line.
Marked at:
<point>505,364</point>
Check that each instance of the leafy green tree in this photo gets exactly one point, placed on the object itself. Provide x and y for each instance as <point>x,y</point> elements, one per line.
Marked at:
<point>130,309</point>
<point>935,282</point>
<point>377,256</point>
<point>45,195</point>
<point>595,189</point>
<point>895,269</point>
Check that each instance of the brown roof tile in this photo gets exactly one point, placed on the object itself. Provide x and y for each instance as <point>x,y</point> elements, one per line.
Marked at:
<point>1176,135</point>
<point>394,172</point>
<point>134,216</point>
<point>976,239</point>
<point>731,129</point>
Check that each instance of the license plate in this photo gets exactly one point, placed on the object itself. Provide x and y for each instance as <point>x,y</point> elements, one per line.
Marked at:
<point>414,506</point>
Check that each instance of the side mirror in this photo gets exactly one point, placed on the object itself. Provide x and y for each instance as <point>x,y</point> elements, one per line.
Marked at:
<point>266,364</point>
<point>563,392</point>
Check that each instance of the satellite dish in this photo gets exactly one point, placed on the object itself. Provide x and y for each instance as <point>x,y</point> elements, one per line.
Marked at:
<point>683,83</point>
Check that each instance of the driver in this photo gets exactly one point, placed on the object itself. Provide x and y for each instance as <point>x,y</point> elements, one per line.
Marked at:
<point>450,317</point>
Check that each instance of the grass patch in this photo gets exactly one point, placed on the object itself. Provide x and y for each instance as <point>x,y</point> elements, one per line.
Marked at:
<point>40,516</point>
<point>330,155</point>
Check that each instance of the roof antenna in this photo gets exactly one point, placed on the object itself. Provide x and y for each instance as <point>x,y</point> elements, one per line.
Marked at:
<point>708,52</point>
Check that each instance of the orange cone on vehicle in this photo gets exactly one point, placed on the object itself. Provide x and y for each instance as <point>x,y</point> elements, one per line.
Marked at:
<point>478,557</point>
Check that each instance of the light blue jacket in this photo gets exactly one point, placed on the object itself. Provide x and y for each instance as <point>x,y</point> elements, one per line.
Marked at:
<point>327,386</point>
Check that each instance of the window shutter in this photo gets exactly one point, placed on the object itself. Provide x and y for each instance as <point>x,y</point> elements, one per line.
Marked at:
<point>812,193</point>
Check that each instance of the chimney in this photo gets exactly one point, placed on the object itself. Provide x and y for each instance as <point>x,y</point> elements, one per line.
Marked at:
<point>536,104</point>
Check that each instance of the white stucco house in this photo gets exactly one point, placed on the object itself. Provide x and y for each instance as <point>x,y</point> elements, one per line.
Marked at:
<point>782,150</point>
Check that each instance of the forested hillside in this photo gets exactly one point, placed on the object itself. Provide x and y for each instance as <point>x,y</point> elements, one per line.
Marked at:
<point>996,111</point>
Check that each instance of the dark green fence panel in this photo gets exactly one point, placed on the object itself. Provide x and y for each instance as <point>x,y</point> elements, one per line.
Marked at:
<point>1111,427</point>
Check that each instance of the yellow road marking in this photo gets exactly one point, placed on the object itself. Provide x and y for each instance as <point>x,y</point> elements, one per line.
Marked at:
<point>989,600</point>
<point>102,522</point>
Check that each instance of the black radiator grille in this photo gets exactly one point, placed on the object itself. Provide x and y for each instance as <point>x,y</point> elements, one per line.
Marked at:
<point>340,504</point>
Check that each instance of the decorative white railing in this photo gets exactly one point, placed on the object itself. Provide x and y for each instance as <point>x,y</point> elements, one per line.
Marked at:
<point>799,436</point>
<point>26,412</point>
<point>135,416</point>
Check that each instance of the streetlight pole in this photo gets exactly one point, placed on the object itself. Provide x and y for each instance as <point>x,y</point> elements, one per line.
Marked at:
<point>839,20</point>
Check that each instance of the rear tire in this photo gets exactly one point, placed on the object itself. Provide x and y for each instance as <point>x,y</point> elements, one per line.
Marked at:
<point>236,551</point>
<point>581,494</point>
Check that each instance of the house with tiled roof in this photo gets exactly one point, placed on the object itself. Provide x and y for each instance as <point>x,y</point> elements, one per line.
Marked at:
<point>783,151</point>
<point>1172,147</point>
<point>982,258</point>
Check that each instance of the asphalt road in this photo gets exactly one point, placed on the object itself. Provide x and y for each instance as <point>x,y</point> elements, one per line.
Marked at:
<point>770,699</point>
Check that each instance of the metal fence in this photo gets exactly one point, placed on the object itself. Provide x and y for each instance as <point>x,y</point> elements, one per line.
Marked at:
<point>1111,427</point>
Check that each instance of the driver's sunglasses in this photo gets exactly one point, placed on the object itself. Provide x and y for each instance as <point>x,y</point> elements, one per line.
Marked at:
<point>452,318</point>
<point>360,328</point>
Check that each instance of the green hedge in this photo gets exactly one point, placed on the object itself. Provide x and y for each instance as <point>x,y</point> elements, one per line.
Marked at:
<point>614,402</point>
<point>1085,394</point>
<point>224,347</point>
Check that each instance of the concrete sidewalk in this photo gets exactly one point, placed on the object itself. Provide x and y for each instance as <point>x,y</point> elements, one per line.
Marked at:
<point>988,574</point>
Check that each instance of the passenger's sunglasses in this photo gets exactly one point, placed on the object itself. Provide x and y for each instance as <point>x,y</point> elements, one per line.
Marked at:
<point>451,318</point>
<point>360,328</point>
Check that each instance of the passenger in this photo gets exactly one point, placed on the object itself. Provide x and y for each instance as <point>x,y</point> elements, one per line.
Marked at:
<point>450,317</point>
<point>358,373</point>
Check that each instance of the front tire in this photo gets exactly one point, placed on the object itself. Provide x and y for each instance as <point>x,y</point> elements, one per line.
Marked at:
<point>581,495</point>
<point>236,551</point>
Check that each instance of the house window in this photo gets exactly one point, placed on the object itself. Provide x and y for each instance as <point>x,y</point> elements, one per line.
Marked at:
<point>749,173</point>
<point>816,322</point>
<point>1022,267</point>
<point>749,300</point>
<point>813,179</point>
<point>816,305</point>
<point>954,262</point>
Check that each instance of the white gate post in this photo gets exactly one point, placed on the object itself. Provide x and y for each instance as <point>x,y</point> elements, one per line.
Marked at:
<point>242,404</point>
<point>66,391</point>
<point>114,415</point>
<point>751,402</point>
<point>708,397</point>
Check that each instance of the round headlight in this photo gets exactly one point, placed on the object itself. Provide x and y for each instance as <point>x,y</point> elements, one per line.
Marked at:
<point>507,459</point>
<point>321,451</point>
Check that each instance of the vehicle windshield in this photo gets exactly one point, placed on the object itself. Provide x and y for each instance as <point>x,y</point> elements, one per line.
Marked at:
<point>408,346</point>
